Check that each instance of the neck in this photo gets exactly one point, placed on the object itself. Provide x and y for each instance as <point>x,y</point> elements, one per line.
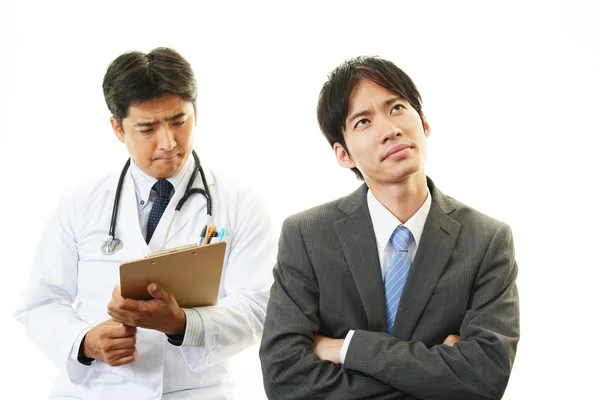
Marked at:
<point>404,198</point>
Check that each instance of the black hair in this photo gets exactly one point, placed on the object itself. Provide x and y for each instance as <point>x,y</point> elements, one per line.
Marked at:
<point>135,77</point>
<point>334,99</point>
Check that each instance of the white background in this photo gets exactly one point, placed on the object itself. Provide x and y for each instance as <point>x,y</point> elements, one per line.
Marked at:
<point>510,90</point>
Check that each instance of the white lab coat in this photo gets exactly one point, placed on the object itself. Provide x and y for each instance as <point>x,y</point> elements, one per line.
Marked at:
<point>72,282</point>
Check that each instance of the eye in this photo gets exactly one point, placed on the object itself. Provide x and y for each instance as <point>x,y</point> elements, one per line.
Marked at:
<point>362,122</point>
<point>398,107</point>
<point>146,131</point>
<point>179,123</point>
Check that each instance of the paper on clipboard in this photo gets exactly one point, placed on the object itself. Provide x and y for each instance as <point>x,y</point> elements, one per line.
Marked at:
<point>192,274</point>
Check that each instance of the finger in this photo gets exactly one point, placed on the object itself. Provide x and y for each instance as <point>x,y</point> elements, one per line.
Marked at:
<point>116,294</point>
<point>118,302</point>
<point>119,317</point>
<point>126,343</point>
<point>122,358</point>
<point>114,355</point>
<point>113,305</point>
<point>156,291</point>
<point>129,331</point>
<point>120,320</point>
<point>451,339</point>
<point>132,305</point>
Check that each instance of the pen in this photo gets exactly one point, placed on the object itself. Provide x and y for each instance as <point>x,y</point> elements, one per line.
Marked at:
<point>214,235</point>
<point>210,232</point>
<point>202,236</point>
<point>221,234</point>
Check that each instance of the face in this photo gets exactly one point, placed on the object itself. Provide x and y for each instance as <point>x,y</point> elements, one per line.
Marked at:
<point>385,136</point>
<point>158,134</point>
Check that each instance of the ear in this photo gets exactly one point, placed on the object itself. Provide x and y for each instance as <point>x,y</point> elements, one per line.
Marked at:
<point>426,127</point>
<point>343,157</point>
<point>117,129</point>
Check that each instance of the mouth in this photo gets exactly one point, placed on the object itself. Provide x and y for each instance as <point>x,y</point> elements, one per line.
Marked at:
<point>396,151</point>
<point>167,158</point>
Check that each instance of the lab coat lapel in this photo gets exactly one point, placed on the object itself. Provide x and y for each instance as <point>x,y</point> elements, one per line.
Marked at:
<point>128,222</point>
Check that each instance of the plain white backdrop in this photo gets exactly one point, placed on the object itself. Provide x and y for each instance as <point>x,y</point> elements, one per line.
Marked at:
<point>510,90</point>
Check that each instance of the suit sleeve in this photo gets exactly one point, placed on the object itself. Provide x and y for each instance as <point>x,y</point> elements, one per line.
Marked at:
<point>478,366</point>
<point>291,370</point>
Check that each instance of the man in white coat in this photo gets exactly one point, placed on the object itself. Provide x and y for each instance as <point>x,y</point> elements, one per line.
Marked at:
<point>108,347</point>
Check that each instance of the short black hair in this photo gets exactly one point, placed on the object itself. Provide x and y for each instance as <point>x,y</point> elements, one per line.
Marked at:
<point>334,99</point>
<point>135,77</point>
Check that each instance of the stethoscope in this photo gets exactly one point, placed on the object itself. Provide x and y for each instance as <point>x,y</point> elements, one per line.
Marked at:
<point>111,244</point>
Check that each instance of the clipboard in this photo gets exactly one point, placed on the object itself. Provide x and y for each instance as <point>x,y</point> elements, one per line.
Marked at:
<point>191,273</point>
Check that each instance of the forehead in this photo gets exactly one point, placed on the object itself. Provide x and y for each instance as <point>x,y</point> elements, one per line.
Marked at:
<point>160,107</point>
<point>367,93</point>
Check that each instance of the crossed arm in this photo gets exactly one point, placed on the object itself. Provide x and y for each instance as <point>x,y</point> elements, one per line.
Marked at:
<point>329,349</point>
<point>300,364</point>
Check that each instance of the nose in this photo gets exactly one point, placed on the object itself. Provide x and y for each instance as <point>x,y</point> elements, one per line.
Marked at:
<point>166,139</point>
<point>389,130</point>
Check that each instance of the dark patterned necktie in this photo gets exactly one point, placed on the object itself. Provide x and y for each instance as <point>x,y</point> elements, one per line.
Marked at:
<point>163,188</point>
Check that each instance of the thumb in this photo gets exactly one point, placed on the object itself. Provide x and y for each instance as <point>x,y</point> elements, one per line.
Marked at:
<point>156,291</point>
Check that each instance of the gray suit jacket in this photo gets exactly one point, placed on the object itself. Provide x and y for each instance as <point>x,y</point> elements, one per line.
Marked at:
<point>328,281</point>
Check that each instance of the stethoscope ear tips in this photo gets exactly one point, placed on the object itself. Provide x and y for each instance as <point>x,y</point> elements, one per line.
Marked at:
<point>111,245</point>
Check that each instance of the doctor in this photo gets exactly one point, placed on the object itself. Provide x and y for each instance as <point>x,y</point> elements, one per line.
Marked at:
<point>108,347</point>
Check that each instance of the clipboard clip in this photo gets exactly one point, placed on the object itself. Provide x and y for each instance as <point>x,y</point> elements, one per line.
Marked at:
<point>174,249</point>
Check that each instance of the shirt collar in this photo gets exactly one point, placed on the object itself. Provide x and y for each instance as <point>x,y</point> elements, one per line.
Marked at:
<point>144,182</point>
<point>384,222</point>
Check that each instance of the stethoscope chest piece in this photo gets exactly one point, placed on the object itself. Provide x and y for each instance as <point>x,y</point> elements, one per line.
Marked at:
<point>111,245</point>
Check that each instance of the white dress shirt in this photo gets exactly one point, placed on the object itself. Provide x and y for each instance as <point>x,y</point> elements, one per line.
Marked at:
<point>144,183</point>
<point>384,224</point>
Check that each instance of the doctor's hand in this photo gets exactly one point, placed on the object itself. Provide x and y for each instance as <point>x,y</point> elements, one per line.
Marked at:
<point>110,342</point>
<point>162,313</point>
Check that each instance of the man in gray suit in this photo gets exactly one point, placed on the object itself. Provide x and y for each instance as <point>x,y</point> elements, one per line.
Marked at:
<point>395,291</point>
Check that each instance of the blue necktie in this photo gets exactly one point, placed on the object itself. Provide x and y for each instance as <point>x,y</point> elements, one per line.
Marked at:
<point>397,275</point>
<point>163,188</point>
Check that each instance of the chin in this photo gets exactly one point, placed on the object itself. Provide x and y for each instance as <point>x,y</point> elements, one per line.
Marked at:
<point>164,173</point>
<point>402,174</point>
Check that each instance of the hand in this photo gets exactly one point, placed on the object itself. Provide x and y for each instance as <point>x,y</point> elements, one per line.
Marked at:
<point>110,342</point>
<point>162,313</point>
<point>451,339</point>
<point>328,349</point>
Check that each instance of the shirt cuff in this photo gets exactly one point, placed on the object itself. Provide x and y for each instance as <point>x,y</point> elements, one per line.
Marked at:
<point>78,356</point>
<point>194,328</point>
<point>345,346</point>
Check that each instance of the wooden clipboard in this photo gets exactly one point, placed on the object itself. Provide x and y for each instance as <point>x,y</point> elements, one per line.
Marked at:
<point>191,273</point>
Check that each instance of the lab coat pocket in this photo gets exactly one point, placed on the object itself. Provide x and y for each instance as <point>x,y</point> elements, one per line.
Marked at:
<point>194,239</point>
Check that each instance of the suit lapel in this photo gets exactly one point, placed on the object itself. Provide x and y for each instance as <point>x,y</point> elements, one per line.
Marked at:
<point>437,243</point>
<point>360,250</point>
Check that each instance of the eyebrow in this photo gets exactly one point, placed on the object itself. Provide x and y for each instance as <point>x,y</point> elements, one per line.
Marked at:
<point>152,123</point>
<point>357,114</point>
<point>362,113</point>
<point>393,100</point>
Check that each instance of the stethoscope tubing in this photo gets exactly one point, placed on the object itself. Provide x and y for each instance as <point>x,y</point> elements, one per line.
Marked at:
<point>108,248</point>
